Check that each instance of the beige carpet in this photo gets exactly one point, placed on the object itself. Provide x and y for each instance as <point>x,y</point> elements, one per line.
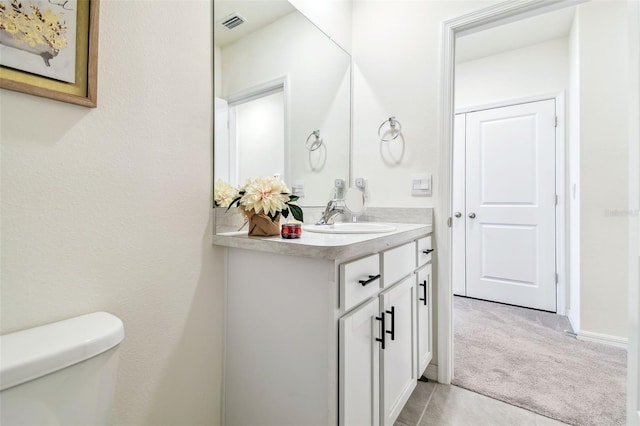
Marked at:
<point>523,357</point>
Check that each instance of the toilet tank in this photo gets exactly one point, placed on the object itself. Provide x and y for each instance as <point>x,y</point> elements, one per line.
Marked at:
<point>62,373</point>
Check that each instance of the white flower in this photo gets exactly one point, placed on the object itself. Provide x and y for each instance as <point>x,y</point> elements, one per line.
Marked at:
<point>265,194</point>
<point>223,193</point>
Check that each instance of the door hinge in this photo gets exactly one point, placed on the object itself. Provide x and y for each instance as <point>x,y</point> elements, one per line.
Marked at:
<point>556,199</point>
<point>449,222</point>
<point>556,278</point>
<point>555,124</point>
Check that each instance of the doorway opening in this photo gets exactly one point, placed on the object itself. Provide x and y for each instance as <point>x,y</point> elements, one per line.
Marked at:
<point>252,139</point>
<point>514,276</point>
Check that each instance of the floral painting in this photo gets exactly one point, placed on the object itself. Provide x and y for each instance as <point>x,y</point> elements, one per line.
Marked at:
<point>39,37</point>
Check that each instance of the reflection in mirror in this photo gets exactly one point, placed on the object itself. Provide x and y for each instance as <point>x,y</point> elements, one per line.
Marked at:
<point>355,201</point>
<point>280,80</point>
<point>257,137</point>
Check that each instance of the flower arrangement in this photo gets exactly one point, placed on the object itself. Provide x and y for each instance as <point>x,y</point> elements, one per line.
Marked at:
<point>223,193</point>
<point>262,200</point>
<point>35,27</point>
<point>267,195</point>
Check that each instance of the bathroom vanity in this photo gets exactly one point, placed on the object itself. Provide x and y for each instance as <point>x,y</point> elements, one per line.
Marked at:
<point>326,329</point>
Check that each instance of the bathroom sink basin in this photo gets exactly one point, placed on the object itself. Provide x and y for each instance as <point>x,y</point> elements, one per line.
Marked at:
<point>351,228</point>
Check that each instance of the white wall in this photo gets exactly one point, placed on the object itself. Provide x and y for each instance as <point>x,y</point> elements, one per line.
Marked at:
<point>604,86</point>
<point>108,209</point>
<point>534,70</point>
<point>396,54</point>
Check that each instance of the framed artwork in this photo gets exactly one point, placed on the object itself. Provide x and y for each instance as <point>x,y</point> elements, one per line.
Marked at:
<point>49,48</point>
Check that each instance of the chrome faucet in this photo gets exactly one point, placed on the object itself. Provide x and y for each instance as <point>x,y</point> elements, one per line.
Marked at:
<point>333,209</point>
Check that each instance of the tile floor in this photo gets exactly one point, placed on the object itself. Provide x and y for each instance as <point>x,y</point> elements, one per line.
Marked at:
<point>433,404</point>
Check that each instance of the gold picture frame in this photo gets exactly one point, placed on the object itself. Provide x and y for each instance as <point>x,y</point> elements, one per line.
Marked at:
<point>84,91</point>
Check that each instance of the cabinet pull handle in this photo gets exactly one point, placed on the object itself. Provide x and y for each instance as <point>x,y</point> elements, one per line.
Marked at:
<point>424,299</point>
<point>427,251</point>
<point>371,279</point>
<point>392,312</point>
<point>382,330</point>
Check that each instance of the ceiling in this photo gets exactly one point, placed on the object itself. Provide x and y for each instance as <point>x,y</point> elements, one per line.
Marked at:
<point>258,14</point>
<point>515,35</point>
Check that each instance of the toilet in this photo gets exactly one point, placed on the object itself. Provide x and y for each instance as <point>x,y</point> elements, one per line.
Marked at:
<point>63,373</point>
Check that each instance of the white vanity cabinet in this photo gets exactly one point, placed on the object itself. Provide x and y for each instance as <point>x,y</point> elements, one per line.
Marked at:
<point>304,335</point>
<point>378,352</point>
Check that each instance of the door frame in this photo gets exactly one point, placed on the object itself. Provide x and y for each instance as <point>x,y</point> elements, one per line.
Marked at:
<point>560,186</point>
<point>633,356</point>
<point>247,95</point>
<point>488,17</point>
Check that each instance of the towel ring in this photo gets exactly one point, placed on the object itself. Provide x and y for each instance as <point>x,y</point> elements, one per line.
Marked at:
<point>392,127</point>
<point>316,143</point>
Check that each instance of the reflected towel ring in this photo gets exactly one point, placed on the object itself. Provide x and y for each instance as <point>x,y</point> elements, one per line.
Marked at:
<point>392,128</point>
<point>315,144</point>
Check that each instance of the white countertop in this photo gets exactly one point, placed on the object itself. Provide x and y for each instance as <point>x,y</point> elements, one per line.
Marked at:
<point>326,246</point>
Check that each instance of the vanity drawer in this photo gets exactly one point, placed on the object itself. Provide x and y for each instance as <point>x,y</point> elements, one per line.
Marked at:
<point>424,250</point>
<point>359,280</point>
<point>397,263</point>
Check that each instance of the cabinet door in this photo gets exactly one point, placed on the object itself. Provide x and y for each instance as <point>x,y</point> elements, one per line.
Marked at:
<point>359,366</point>
<point>425,323</point>
<point>398,359</point>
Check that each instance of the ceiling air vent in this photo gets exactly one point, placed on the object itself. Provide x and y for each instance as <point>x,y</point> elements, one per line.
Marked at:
<point>232,21</point>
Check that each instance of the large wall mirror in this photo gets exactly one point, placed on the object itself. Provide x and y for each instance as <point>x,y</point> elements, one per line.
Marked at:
<point>283,107</point>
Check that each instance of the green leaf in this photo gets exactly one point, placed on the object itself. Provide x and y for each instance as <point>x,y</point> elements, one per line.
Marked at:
<point>296,211</point>
<point>293,198</point>
<point>235,201</point>
<point>285,213</point>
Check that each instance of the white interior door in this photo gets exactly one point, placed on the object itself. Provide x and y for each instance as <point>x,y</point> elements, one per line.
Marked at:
<point>458,225</point>
<point>510,205</point>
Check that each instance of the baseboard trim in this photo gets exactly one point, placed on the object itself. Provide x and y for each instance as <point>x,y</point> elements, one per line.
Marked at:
<point>606,339</point>
<point>431,372</point>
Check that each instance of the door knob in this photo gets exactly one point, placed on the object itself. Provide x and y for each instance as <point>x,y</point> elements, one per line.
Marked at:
<point>472,215</point>
<point>458,214</point>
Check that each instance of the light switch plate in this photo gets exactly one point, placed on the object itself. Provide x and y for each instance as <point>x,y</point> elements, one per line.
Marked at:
<point>421,185</point>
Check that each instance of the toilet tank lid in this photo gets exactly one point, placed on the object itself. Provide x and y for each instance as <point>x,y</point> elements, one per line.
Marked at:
<point>28,354</point>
